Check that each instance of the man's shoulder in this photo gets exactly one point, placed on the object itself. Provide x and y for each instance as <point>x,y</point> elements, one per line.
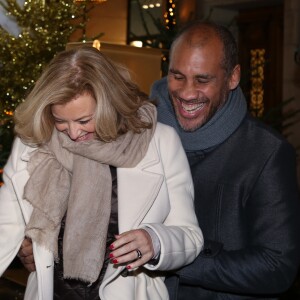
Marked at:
<point>254,136</point>
<point>259,131</point>
<point>159,86</point>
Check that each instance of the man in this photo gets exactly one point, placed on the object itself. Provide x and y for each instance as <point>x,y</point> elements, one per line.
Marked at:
<point>246,195</point>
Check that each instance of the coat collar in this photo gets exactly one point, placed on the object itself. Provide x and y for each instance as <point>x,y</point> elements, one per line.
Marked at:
<point>138,188</point>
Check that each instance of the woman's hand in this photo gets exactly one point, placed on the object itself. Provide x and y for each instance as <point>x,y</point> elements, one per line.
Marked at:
<point>26,255</point>
<point>133,248</point>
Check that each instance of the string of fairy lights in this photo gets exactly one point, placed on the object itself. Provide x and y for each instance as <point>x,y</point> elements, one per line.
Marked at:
<point>148,4</point>
<point>169,15</point>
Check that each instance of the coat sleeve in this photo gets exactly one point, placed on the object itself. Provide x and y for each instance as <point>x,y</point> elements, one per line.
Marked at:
<point>11,219</point>
<point>270,261</point>
<point>180,236</point>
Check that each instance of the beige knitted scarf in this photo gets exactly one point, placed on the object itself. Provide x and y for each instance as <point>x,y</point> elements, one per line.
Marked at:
<point>74,178</point>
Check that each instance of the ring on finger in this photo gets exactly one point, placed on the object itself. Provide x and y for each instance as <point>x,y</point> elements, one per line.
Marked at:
<point>139,254</point>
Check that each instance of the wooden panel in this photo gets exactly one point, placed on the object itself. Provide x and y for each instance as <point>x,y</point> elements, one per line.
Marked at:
<point>108,17</point>
<point>144,63</point>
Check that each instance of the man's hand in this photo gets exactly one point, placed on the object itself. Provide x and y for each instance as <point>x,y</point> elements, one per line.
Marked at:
<point>26,255</point>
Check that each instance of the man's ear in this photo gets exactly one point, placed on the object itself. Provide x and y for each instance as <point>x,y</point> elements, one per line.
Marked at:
<point>235,77</point>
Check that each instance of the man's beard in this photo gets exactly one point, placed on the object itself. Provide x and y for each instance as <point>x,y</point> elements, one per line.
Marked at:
<point>212,110</point>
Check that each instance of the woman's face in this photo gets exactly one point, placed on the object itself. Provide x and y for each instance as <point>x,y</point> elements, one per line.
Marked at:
<point>76,118</point>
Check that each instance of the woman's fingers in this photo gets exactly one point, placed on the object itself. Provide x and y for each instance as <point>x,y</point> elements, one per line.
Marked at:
<point>132,248</point>
<point>25,255</point>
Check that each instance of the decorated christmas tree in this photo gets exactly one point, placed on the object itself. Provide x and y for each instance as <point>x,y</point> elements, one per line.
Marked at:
<point>44,28</point>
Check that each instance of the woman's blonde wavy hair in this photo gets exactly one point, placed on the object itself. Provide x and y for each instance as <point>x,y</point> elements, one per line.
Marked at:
<point>70,74</point>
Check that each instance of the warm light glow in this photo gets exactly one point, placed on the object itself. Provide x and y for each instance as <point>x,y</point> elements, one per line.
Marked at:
<point>138,44</point>
<point>146,4</point>
<point>97,1</point>
<point>8,113</point>
<point>169,15</point>
<point>96,44</point>
<point>257,82</point>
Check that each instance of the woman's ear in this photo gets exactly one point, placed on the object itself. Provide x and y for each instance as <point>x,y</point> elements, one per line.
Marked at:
<point>235,77</point>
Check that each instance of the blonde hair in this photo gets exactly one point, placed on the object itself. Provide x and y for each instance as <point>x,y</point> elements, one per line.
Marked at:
<point>70,74</point>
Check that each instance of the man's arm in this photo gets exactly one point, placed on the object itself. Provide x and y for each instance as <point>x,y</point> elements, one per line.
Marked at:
<point>270,262</point>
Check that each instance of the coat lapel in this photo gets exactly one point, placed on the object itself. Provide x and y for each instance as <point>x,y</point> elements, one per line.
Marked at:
<point>19,180</point>
<point>138,188</point>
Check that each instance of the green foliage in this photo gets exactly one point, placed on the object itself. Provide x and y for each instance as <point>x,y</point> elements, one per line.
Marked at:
<point>44,31</point>
<point>6,139</point>
<point>45,27</point>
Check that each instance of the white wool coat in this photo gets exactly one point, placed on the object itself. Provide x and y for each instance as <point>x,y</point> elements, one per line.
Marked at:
<point>157,193</point>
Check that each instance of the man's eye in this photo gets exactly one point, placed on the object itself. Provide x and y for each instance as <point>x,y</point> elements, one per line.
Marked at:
<point>202,80</point>
<point>178,77</point>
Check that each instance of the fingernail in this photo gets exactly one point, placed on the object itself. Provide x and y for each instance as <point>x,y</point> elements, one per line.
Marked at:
<point>111,247</point>
<point>128,267</point>
<point>115,261</point>
<point>111,255</point>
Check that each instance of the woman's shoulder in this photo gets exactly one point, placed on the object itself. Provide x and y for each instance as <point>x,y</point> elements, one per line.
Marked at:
<point>18,158</point>
<point>19,148</point>
<point>166,133</point>
<point>19,155</point>
<point>162,129</point>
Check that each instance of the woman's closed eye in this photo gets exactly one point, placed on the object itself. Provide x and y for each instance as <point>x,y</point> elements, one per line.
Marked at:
<point>59,121</point>
<point>83,122</point>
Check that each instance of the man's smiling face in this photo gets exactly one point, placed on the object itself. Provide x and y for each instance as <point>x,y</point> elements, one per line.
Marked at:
<point>197,83</point>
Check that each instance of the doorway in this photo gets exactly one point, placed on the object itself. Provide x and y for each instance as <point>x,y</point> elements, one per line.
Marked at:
<point>261,50</point>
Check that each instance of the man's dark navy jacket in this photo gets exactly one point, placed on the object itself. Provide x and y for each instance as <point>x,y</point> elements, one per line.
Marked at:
<point>247,203</point>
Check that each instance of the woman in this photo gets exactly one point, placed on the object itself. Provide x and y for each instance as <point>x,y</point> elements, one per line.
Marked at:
<point>103,191</point>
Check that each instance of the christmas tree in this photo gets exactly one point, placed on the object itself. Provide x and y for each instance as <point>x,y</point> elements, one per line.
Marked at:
<point>44,29</point>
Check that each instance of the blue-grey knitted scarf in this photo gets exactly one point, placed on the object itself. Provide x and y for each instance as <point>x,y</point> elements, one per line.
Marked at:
<point>215,131</point>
